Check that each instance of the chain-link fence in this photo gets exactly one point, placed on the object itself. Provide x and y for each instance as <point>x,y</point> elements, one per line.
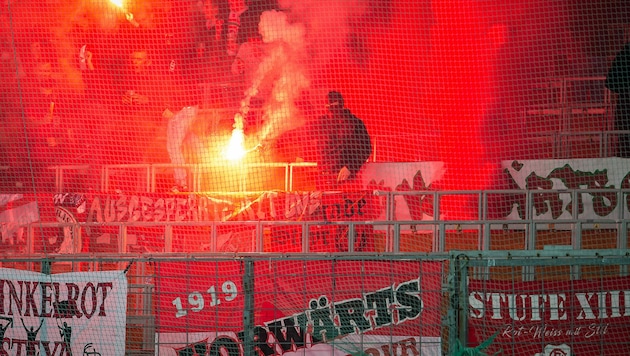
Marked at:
<point>545,302</point>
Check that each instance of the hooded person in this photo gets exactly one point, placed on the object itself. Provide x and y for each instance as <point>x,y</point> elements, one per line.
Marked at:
<point>343,145</point>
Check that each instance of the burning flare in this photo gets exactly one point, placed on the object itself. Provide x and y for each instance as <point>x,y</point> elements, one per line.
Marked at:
<point>128,15</point>
<point>235,149</point>
<point>118,3</point>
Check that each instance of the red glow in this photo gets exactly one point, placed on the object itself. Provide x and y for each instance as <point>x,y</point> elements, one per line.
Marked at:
<point>461,68</point>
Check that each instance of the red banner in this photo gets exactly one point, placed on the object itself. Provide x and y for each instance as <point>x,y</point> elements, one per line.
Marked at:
<point>585,317</point>
<point>267,206</point>
<point>300,306</point>
<point>196,296</point>
<point>328,208</point>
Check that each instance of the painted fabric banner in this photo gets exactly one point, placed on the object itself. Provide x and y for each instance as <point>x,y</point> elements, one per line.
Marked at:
<point>600,174</point>
<point>583,317</point>
<point>62,314</point>
<point>300,307</point>
<point>266,206</point>
<point>16,211</point>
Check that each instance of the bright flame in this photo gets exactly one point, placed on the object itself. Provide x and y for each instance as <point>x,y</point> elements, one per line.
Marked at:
<point>118,3</point>
<point>235,149</point>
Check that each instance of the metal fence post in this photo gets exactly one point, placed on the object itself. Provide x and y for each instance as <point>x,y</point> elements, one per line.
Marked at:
<point>457,310</point>
<point>248,308</point>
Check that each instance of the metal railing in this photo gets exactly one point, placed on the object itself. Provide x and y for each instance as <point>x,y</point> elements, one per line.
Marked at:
<point>453,277</point>
<point>482,233</point>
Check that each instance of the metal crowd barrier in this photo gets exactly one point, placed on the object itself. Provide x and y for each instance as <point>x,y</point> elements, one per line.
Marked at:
<point>438,234</point>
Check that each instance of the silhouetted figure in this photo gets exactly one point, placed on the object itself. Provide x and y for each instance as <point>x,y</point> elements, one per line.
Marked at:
<point>618,81</point>
<point>66,334</point>
<point>31,338</point>
<point>343,145</point>
<point>3,328</point>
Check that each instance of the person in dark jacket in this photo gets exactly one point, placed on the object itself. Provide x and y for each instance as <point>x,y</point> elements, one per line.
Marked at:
<point>618,81</point>
<point>343,146</point>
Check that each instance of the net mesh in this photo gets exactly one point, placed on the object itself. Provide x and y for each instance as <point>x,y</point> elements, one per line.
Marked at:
<point>467,83</point>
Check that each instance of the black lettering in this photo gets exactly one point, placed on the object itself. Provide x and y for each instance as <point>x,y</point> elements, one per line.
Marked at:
<point>92,289</point>
<point>103,287</point>
<point>289,339</point>
<point>14,297</point>
<point>58,344</point>
<point>73,296</point>
<point>500,205</point>
<point>18,345</point>
<point>47,299</point>
<point>360,204</point>
<point>30,300</point>
<point>332,212</point>
<point>323,326</point>
<point>198,348</point>
<point>417,204</point>
<point>380,301</point>
<point>260,341</point>
<point>407,295</point>
<point>348,208</point>
<point>2,283</point>
<point>226,344</point>
<point>351,316</point>
<point>625,184</point>
<point>544,201</point>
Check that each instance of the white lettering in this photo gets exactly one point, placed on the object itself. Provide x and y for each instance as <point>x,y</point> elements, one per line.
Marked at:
<point>497,298</point>
<point>514,308</point>
<point>584,300</point>
<point>556,306</point>
<point>475,300</point>
<point>614,304</point>
<point>536,306</point>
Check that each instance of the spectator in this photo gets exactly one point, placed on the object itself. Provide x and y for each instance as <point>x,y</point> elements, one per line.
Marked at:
<point>146,104</point>
<point>343,145</point>
<point>207,60</point>
<point>47,111</point>
<point>618,81</point>
<point>237,7</point>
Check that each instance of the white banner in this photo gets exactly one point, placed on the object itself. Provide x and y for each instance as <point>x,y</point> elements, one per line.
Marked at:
<point>605,173</point>
<point>62,314</point>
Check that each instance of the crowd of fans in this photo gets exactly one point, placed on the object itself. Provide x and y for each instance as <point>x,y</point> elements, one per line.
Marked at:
<point>90,91</point>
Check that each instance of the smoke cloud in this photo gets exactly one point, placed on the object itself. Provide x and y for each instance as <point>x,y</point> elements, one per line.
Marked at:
<point>302,40</point>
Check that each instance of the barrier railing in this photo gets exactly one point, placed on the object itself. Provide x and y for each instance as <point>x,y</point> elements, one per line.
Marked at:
<point>430,233</point>
<point>450,304</point>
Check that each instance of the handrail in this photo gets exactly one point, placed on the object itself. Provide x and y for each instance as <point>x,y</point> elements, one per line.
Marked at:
<point>393,229</point>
